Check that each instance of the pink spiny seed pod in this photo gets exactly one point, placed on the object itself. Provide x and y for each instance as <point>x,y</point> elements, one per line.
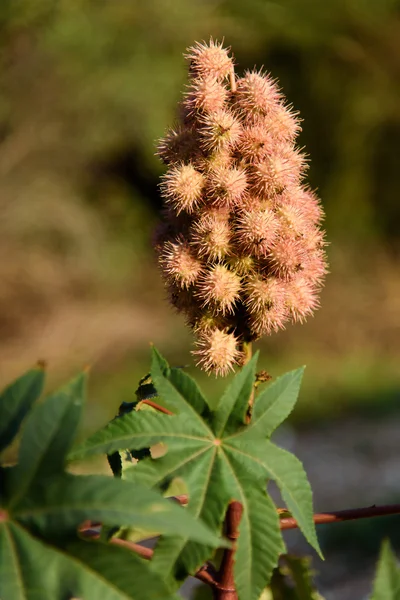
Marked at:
<point>313,267</point>
<point>219,129</point>
<point>286,256</point>
<point>257,93</point>
<point>301,299</point>
<point>283,124</point>
<point>217,351</point>
<point>205,95</point>
<point>209,60</point>
<point>219,289</point>
<point>226,186</point>
<point>179,265</point>
<point>308,202</point>
<point>256,142</point>
<point>256,230</point>
<point>313,238</point>
<point>211,234</point>
<point>286,168</point>
<point>266,304</point>
<point>279,170</point>
<point>292,220</point>
<point>182,187</point>
<point>241,250</point>
<point>178,145</point>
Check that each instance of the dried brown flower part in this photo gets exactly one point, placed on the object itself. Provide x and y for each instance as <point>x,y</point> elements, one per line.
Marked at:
<point>241,248</point>
<point>179,145</point>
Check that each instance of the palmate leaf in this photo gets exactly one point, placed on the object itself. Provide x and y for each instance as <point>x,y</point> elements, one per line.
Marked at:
<point>39,524</point>
<point>213,452</point>
<point>30,569</point>
<point>48,436</point>
<point>16,401</point>
<point>41,508</point>
<point>387,579</point>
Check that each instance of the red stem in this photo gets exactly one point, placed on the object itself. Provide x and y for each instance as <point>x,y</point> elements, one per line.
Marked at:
<point>225,588</point>
<point>157,407</point>
<point>222,582</point>
<point>345,515</point>
<point>206,574</point>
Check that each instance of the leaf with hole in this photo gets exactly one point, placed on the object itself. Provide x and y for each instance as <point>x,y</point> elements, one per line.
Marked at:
<point>219,461</point>
<point>42,507</point>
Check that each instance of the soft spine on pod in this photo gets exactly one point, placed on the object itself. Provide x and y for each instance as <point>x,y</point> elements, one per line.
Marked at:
<point>240,247</point>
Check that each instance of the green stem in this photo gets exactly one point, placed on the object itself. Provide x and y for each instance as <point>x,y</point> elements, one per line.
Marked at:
<point>247,348</point>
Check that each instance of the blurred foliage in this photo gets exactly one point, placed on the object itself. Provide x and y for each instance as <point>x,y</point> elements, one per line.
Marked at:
<point>87,86</point>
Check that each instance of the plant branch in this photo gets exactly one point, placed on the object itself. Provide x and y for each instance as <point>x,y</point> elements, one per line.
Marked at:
<point>222,582</point>
<point>331,517</point>
<point>232,81</point>
<point>157,407</point>
<point>247,349</point>
<point>225,588</point>
<point>345,515</point>
<point>206,573</point>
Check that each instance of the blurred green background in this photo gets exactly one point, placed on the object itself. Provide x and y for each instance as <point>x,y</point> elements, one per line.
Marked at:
<point>87,87</point>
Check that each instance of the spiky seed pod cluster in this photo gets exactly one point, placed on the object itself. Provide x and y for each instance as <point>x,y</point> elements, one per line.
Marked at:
<point>240,248</point>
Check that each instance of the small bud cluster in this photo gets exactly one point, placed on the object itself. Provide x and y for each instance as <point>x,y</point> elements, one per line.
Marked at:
<point>240,248</point>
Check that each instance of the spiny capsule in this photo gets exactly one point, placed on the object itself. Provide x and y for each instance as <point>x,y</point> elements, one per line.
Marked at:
<point>241,249</point>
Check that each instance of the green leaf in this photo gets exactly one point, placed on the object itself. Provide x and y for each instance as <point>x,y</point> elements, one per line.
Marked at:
<point>42,507</point>
<point>218,462</point>
<point>31,570</point>
<point>287,471</point>
<point>299,570</point>
<point>140,429</point>
<point>234,402</point>
<point>255,559</point>
<point>275,404</point>
<point>16,401</point>
<point>387,579</point>
<point>178,391</point>
<point>48,435</point>
<point>59,504</point>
